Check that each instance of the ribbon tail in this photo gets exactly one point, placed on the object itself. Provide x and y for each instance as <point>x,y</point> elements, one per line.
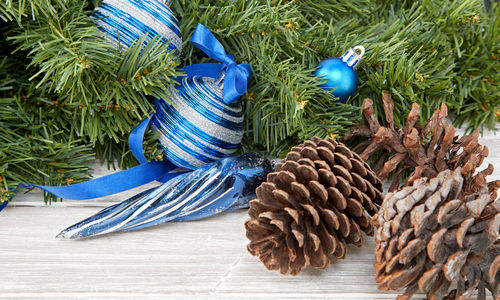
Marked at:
<point>235,82</point>
<point>135,140</point>
<point>121,181</point>
<point>114,183</point>
<point>3,204</point>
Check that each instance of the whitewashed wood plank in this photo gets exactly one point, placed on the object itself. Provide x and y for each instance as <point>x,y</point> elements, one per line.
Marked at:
<point>201,259</point>
<point>177,258</point>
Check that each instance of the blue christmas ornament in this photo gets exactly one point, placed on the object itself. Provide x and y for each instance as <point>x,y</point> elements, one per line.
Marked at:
<point>125,21</point>
<point>224,185</point>
<point>203,120</point>
<point>198,127</point>
<point>340,73</point>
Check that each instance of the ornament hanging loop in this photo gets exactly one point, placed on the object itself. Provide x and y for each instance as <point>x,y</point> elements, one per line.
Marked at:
<point>353,56</point>
<point>219,81</point>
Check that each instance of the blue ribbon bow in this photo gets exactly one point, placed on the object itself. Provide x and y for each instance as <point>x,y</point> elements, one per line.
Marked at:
<point>235,85</point>
<point>237,75</point>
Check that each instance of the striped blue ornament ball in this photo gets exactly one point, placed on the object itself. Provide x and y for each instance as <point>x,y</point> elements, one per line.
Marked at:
<point>125,21</point>
<point>198,127</point>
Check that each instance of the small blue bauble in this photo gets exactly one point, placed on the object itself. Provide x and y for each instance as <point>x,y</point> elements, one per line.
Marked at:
<point>198,127</point>
<point>341,80</point>
<point>125,21</point>
<point>340,73</point>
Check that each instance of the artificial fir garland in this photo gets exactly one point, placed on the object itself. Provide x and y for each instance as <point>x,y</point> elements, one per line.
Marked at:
<point>66,94</point>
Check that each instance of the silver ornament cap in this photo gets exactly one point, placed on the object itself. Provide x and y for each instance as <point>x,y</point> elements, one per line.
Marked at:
<point>353,56</point>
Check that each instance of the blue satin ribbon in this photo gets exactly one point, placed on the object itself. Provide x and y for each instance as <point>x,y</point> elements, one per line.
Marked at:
<point>3,205</point>
<point>135,140</point>
<point>114,183</point>
<point>235,84</point>
<point>237,75</point>
<point>121,181</point>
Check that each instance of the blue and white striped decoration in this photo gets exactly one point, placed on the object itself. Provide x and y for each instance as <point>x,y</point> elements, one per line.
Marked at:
<point>199,127</point>
<point>224,185</point>
<point>125,21</point>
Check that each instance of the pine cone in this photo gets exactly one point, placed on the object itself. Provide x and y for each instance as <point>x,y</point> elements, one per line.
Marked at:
<point>427,150</point>
<point>438,233</point>
<point>318,199</point>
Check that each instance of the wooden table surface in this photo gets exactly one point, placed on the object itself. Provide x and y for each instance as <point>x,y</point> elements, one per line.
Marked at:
<point>186,260</point>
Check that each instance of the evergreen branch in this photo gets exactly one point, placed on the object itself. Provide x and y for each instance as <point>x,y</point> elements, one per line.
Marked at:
<point>33,147</point>
<point>20,9</point>
<point>79,93</point>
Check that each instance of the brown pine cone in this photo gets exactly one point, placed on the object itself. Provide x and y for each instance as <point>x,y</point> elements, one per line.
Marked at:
<point>439,234</point>
<point>318,199</point>
<point>425,151</point>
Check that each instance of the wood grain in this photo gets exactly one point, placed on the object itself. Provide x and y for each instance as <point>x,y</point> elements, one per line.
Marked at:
<point>205,259</point>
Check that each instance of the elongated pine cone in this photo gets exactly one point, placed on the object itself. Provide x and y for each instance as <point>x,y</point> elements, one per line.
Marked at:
<point>318,199</point>
<point>440,236</point>
<point>425,151</point>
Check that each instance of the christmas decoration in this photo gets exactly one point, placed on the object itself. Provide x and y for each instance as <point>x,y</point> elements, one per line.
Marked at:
<point>204,121</point>
<point>68,96</point>
<point>340,74</point>
<point>198,127</point>
<point>440,236</point>
<point>126,21</point>
<point>317,200</point>
<point>427,150</point>
<point>212,189</point>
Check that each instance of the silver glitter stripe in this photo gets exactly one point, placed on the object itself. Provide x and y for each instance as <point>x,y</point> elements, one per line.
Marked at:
<point>211,128</point>
<point>121,21</point>
<point>173,147</point>
<point>145,18</point>
<point>165,13</point>
<point>211,84</point>
<point>150,20</point>
<point>210,146</point>
<point>193,137</point>
<point>206,104</point>
<point>181,153</point>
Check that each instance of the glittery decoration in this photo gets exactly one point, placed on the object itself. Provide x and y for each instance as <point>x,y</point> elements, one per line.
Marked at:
<point>199,127</point>
<point>125,21</point>
<point>223,185</point>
